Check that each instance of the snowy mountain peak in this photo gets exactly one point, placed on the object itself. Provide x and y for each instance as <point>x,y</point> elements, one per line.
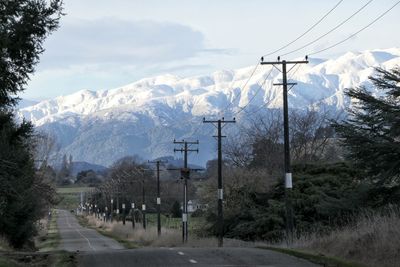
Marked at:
<point>101,126</point>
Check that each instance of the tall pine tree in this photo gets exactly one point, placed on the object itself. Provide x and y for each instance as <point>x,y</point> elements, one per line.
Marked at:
<point>371,134</point>
<point>24,196</point>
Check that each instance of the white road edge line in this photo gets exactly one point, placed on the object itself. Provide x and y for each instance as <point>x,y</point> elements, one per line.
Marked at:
<point>90,245</point>
<point>66,217</point>
<point>181,253</point>
<point>192,261</point>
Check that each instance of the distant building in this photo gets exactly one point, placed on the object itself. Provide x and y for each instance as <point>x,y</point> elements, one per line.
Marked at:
<point>194,205</point>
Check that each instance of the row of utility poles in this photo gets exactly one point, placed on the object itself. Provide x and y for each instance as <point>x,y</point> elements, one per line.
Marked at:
<point>185,171</point>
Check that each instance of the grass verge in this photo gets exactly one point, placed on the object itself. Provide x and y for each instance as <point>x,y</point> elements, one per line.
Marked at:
<point>51,239</point>
<point>53,258</point>
<point>321,259</point>
<point>70,196</point>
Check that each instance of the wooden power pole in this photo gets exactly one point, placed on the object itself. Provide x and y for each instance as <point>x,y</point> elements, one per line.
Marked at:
<point>288,172</point>
<point>158,162</point>
<point>220,187</point>
<point>185,175</point>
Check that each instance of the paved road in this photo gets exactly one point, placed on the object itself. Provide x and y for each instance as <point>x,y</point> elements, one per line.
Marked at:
<point>75,237</point>
<point>191,257</point>
<point>97,250</point>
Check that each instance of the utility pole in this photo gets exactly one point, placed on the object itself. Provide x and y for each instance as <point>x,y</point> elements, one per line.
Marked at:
<point>220,187</point>
<point>143,203</point>
<point>185,175</point>
<point>123,213</point>
<point>288,172</point>
<point>157,162</point>
<point>142,171</point>
<point>111,209</point>
<point>133,214</point>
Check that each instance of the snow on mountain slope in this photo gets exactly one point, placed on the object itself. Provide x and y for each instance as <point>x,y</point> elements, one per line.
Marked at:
<point>144,117</point>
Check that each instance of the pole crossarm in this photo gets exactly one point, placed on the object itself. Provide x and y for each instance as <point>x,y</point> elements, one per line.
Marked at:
<point>222,121</point>
<point>287,62</point>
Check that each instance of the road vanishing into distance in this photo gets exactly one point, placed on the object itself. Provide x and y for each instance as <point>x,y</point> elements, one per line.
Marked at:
<point>74,237</point>
<point>95,249</point>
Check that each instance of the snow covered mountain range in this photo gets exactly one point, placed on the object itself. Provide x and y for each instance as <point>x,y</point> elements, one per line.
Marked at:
<point>144,117</point>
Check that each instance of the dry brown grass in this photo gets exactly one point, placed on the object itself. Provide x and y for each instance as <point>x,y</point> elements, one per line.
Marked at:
<point>373,241</point>
<point>169,237</point>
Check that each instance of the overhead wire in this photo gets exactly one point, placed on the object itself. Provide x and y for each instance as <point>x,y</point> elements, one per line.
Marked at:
<point>241,88</point>
<point>225,109</point>
<point>357,32</point>
<point>307,31</point>
<point>260,87</point>
<point>273,99</point>
<point>330,31</point>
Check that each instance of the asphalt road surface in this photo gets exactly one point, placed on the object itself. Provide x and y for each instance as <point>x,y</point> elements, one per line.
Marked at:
<point>97,250</point>
<point>191,257</point>
<point>74,237</point>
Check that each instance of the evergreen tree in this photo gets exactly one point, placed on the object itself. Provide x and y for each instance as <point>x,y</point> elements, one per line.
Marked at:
<point>371,134</point>
<point>24,195</point>
<point>24,26</point>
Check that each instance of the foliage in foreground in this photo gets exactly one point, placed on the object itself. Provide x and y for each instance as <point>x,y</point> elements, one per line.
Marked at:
<point>24,195</point>
<point>322,197</point>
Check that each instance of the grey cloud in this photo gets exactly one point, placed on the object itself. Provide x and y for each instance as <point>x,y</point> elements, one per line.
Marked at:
<point>114,41</point>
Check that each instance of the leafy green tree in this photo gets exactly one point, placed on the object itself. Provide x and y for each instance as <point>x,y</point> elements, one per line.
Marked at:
<point>24,26</point>
<point>371,134</point>
<point>24,194</point>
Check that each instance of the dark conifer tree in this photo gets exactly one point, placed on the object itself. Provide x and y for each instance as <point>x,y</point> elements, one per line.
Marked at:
<point>24,195</point>
<point>371,134</point>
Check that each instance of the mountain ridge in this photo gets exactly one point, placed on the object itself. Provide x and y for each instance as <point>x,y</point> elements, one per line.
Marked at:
<point>144,117</point>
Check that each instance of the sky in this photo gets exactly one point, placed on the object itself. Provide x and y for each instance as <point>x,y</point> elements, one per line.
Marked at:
<point>104,44</point>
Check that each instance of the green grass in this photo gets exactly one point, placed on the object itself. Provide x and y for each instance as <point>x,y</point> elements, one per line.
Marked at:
<point>51,240</point>
<point>323,260</point>
<point>70,196</point>
<point>71,189</point>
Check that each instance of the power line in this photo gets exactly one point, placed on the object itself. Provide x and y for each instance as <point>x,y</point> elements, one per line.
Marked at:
<point>330,31</point>
<point>227,106</point>
<point>274,98</point>
<point>357,32</point>
<point>258,90</point>
<point>307,31</point>
<point>241,88</point>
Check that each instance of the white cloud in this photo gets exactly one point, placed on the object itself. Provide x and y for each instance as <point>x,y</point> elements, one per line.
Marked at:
<point>115,41</point>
